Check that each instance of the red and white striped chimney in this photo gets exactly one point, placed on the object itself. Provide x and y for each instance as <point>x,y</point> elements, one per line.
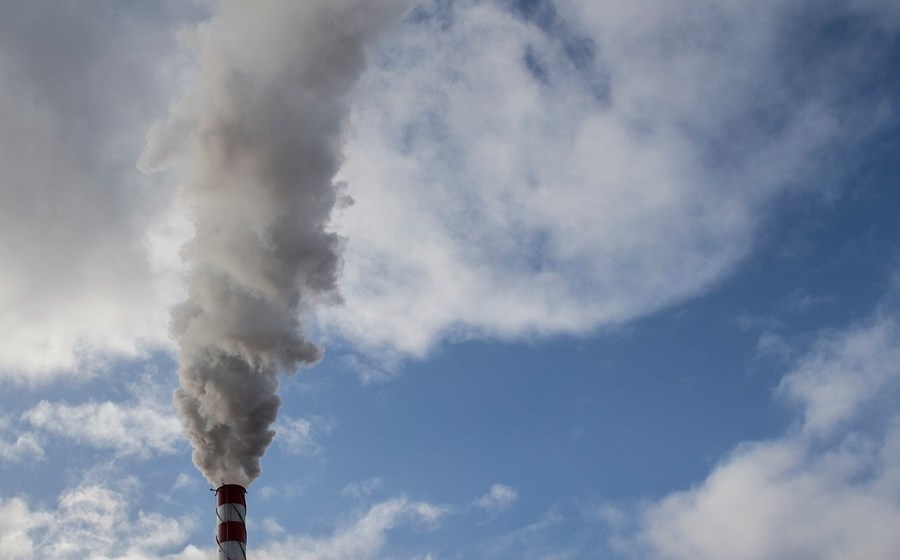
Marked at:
<point>231,511</point>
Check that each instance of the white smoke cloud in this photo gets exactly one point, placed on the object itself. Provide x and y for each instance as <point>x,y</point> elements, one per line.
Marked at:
<point>511,179</point>
<point>256,144</point>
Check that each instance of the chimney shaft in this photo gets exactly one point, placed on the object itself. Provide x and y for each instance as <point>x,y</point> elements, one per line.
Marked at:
<point>231,512</point>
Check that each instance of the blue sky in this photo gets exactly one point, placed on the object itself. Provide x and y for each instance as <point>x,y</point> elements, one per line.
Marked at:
<point>616,280</point>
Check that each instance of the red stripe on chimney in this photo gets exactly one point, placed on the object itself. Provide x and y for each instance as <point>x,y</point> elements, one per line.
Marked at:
<point>232,531</point>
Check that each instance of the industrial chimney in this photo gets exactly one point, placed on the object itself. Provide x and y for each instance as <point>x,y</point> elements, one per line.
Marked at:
<point>231,532</point>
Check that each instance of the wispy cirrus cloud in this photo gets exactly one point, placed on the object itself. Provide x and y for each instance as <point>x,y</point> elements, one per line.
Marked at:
<point>363,488</point>
<point>498,498</point>
<point>364,537</point>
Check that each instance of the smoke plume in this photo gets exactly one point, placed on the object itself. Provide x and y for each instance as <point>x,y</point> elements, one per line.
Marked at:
<point>256,143</point>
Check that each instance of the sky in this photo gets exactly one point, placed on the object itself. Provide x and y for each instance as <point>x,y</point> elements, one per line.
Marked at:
<point>522,279</point>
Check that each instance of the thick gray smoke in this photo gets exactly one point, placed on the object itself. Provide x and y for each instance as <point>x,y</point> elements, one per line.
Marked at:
<point>257,142</point>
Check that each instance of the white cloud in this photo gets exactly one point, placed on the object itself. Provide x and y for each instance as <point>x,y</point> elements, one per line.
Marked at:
<point>297,436</point>
<point>429,513</point>
<point>498,498</point>
<point>190,552</point>
<point>185,481</point>
<point>771,345</point>
<point>800,302</point>
<point>83,281</point>
<point>533,541</point>
<point>781,499</point>
<point>17,446</point>
<point>271,526</point>
<point>362,489</point>
<point>138,428</point>
<point>829,489</point>
<point>96,520</point>
<point>504,198</point>
<point>91,520</point>
<point>749,322</point>
<point>363,538</point>
<point>844,372</point>
<point>14,534</point>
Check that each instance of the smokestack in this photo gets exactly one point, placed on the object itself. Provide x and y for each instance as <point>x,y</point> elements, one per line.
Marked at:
<point>231,531</point>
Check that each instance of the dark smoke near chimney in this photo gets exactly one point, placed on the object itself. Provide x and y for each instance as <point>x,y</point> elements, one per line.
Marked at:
<point>256,144</point>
